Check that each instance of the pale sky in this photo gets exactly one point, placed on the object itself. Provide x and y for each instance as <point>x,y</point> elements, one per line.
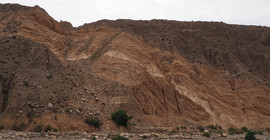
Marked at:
<point>78,12</point>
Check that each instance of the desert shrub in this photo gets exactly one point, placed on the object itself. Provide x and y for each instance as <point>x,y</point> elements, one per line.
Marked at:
<point>245,129</point>
<point>93,122</point>
<point>190,133</point>
<point>25,83</point>
<point>93,138</point>
<point>206,134</point>
<point>232,130</point>
<point>121,117</point>
<point>260,132</point>
<point>183,127</point>
<point>1,127</point>
<point>49,76</point>
<point>250,135</point>
<point>144,137</point>
<point>221,133</point>
<point>200,128</point>
<point>48,128</point>
<point>38,128</point>
<point>20,127</point>
<point>119,138</point>
<point>15,127</point>
<point>212,127</point>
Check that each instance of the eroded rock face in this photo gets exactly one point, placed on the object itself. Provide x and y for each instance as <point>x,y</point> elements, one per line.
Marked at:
<point>164,73</point>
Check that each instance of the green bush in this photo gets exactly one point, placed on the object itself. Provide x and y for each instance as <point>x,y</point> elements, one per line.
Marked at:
<point>206,134</point>
<point>250,135</point>
<point>245,129</point>
<point>93,138</point>
<point>232,130</point>
<point>119,138</point>
<point>121,117</point>
<point>200,128</point>
<point>93,122</point>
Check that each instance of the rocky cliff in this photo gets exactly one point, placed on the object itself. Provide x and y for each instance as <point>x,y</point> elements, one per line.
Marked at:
<point>163,73</point>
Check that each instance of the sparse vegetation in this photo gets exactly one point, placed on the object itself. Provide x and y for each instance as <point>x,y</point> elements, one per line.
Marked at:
<point>48,128</point>
<point>221,133</point>
<point>200,128</point>
<point>190,133</point>
<point>232,130</point>
<point>145,137</point>
<point>212,127</point>
<point>245,129</point>
<point>20,127</point>
<point>121,117</point>
<point>206,134</point>
<point>25,83</point>
<point>93,138</point>
<point>173,132</point>
<point>119,138</point>
<point>183,127</point>
<point>260,132</point>
<point>49,76</point>
<point>250,135</point>
<point>267,130</point>
<point>93,122</point>
<point>1,127</point>
<point>38,128</point>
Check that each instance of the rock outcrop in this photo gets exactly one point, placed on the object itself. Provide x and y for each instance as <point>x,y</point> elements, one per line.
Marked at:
<point>164,73</point>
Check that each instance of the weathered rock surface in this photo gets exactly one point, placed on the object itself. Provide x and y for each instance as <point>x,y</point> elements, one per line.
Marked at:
<point>164,73</point>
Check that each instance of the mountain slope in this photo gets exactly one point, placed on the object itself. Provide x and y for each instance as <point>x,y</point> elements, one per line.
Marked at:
<point>164,73</point>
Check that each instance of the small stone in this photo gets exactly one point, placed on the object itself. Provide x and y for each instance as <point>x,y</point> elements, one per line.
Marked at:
<point>17,134</point>
<point>224,135</point>
<point>76,132</point>
<point>84,134</point>
<point>50,105</point>
<point>96,99</point>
